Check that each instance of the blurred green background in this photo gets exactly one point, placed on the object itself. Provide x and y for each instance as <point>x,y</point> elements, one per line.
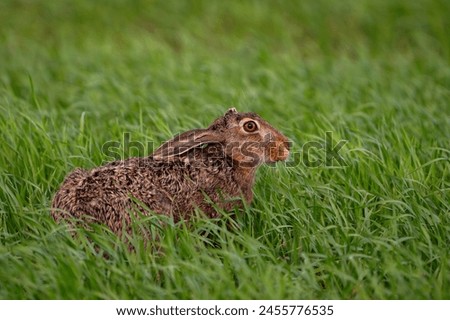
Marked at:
<point>221,49</point>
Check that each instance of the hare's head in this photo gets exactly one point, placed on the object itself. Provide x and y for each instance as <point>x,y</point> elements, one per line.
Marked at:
<point>245,137</point>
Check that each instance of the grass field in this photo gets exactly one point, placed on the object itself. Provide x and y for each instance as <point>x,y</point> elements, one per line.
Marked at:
<point>77,74</point>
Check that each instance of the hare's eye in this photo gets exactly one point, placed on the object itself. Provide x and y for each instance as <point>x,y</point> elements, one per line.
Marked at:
<point>250,126</point>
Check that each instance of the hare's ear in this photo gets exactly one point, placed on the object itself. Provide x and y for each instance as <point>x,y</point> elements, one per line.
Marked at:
<point>185,142</point>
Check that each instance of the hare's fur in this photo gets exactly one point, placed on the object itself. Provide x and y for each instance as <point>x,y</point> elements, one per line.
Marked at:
<point>201,168</point>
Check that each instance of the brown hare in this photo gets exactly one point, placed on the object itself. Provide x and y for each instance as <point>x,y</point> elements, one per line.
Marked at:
<point>202,168</point>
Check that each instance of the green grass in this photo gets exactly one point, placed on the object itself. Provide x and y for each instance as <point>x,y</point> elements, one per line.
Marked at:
<point>77,74</point>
